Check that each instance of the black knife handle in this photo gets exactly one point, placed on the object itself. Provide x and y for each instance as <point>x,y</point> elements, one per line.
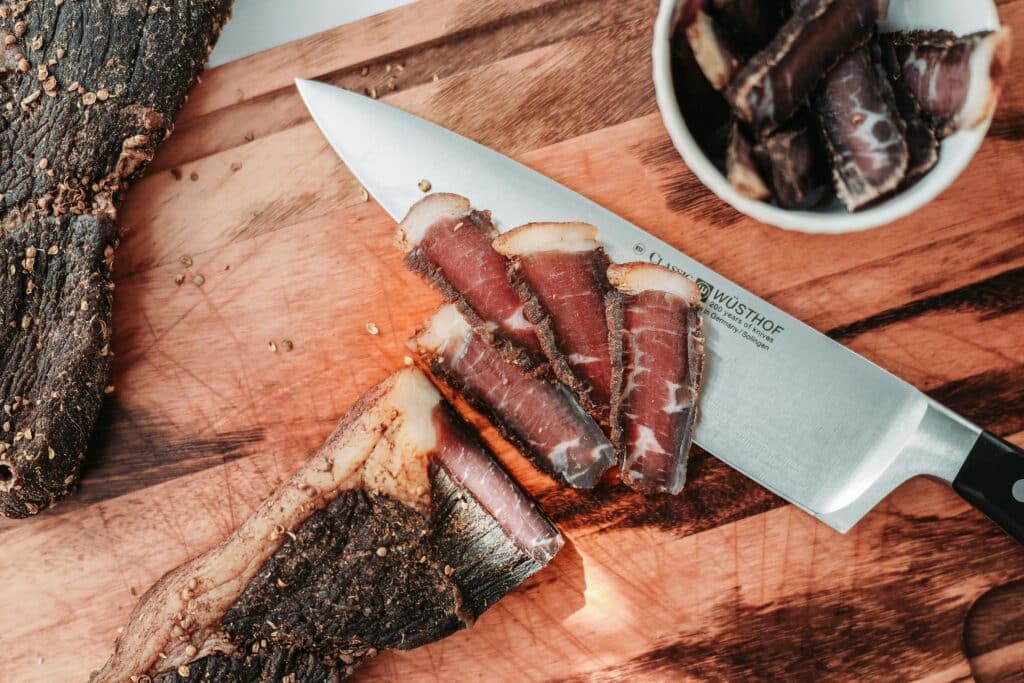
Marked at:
<point>992,480</point>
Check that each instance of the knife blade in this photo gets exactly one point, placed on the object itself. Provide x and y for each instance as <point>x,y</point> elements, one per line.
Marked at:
<point>783,404</point>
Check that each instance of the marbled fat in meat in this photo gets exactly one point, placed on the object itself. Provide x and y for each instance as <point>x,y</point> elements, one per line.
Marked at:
<point>956,81</point>
<point>655,313</point>
<point>922,143</point>
<point>540,418</point>
<point>450,245</point>
<point>863,130</point>
<point>778,80</point>
<point>560,272</point>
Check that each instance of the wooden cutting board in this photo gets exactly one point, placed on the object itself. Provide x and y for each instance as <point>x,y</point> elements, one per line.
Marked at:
<point>725,582</point>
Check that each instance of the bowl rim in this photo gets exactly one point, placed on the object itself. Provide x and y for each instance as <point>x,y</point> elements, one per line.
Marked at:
<point>951,164</point>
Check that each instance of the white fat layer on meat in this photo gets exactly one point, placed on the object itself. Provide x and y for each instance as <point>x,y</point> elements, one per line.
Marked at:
<point>712,56</point>
<point>447,327</point>
<point>646,441</point>
<point>863,152</point>
<point>982,92</point>
<point>535,238</point>
<point>448,335</point>
<point>748,182</point>
<point>648,277</point>
<point>636,369</point>
<point>518,321</point>
<point>385,447</point>
<point>581,359</point>
<point>680,398</point>
<point>425,213</point>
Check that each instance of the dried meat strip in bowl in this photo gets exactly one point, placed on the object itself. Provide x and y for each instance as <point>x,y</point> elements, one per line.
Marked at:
<point>956,81</point>
<point>449,244</point>
<point>863,130</point>
<point>399,531</point>
<point>778,80</point>
<point>922,143</point>
<point>541,418</point>
<point>751,23</point>
<point>741,168</point>
<point>796,163</point>
<point>711,47</point>
<point>560,271</point>
<point>654,315</point>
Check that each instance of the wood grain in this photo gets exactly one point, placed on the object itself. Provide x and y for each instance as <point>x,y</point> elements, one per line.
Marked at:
<point>725,582</point>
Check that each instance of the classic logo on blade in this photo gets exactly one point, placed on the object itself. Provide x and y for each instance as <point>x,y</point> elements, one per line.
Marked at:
<point>705,289</point>
<point>724,308</point>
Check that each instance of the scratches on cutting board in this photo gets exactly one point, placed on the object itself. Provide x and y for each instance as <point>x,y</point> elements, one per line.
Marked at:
<point>825,634</point>
<point>136,449</point>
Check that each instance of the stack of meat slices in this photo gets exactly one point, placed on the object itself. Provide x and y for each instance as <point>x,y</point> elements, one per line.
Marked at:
<point>403,528</point>
<point>815,91</point>
<point>578,362</point>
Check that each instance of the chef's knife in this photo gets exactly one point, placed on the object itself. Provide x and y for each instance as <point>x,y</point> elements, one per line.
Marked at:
<point>800,414</point>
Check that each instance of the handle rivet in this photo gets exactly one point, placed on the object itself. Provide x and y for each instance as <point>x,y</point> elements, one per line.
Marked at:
<point>1018,491</point>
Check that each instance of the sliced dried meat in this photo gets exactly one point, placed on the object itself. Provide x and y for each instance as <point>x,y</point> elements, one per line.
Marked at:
<point>751,23</point>
<point>796,163</point>
<point>715,56</point>
<point>449,244</point>
<point>741,167</point>
<point>655,314</point>
<point>560,272</point>
<point>956,81</point>
<point>922,143</point>
<point>541,418</point>
<point>778,80</point>
<point>91,90</point>
<point>54,353</point>
<point>701,105</point>
<point>400,530</point>
<point>863,130</point>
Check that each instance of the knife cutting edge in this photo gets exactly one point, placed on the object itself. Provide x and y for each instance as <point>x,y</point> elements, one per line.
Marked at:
<point>783,404</point>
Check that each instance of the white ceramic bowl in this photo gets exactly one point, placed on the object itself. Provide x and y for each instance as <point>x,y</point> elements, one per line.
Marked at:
<point>959,16</point>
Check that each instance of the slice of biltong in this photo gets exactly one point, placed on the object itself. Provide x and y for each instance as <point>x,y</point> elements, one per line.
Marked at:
<point>921,141</point>
<point>654,316</point>
<point>400,530</point>
<point>956,81</point>
<point>794,159</point>
<point>778,80</point>
<point>560,271</point>
<point>741,167</point>
<point>55,316</point>
<point>711,48</point>
<point>541,418</point>
<point>751,23</point>
<point>449,244</point>
<point>702,106</point>
<point>863,130</point>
